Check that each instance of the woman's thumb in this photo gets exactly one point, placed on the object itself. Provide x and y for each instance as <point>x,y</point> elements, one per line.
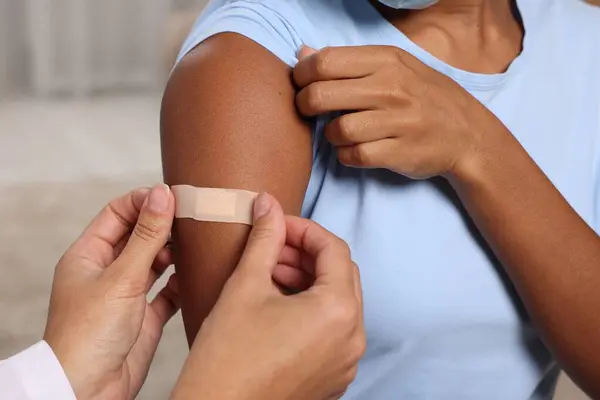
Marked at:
<point>267,237</point>
<point>150,233</point>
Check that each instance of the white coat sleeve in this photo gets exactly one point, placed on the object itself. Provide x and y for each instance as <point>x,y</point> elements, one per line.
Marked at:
<point>34,374</point>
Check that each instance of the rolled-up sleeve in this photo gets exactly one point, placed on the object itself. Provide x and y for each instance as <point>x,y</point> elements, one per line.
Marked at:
<point>34,374</point>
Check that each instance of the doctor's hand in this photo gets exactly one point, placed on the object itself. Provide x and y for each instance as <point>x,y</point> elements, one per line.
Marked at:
<point>100,326</point>
<point>261,343</point>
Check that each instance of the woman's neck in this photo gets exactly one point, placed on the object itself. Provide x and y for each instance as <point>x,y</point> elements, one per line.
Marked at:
<point>475,35</point>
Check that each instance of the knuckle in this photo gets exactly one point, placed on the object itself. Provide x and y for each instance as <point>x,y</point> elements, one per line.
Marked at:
<point>362,155</point>
<point>112,208</point>
<point>351,375</point>
<point>345,127</point>
<point>398,58</point>
<point>342,312</point>
<point>322,61</point>
<point>359,347</point>
<point>147,230</point>
<point>343,248</point>
<point>393,94</point>
<point>415,122</point>
<point>314,97</point>
<point>395,53</point>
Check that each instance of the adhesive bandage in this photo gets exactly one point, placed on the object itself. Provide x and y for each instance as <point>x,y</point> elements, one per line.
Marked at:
<point>214,205</point>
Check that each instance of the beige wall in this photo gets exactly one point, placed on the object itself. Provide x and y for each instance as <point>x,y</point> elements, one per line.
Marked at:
<point>12,45</point>
<point>17,45</point>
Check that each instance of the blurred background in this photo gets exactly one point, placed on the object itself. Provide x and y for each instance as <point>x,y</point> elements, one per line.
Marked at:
<point>80,87</point>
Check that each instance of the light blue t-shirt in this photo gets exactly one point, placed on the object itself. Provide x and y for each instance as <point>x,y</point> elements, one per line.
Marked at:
<point>442,319</point>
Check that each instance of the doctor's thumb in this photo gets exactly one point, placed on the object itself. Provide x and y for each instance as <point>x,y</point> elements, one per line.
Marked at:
<point>149,235</point>
<point>267,238</point>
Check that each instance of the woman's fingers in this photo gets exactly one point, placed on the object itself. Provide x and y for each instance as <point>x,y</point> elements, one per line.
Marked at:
<point>360,127</point>
<point>344,95</point>
<point>337,63</point>
<point>370,154</point>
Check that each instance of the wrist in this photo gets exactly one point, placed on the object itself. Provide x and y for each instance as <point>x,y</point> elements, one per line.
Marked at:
<point>191,389</point>
<point>83,384</point>
<point>490,150</point>
<point>469,171</point>
<point>200,379</point>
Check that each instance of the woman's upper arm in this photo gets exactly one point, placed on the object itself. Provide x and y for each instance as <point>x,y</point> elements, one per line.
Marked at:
<point>229,121</point>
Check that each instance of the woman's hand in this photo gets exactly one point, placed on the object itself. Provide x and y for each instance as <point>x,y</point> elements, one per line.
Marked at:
<point>399,114</point>
<point>259,343</point>
<point>100,326</point>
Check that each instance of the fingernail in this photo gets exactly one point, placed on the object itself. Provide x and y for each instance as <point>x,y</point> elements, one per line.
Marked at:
<point>262,206</point>
<point>159,198</point>
<point>305,49</point>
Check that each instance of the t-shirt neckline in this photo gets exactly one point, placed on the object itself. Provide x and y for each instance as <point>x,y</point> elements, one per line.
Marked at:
<point>470,80</point>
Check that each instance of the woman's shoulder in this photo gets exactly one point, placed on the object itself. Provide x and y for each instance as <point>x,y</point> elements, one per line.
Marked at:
<point>266,22</point>
<point>281,26</point>
<point>293,10</point>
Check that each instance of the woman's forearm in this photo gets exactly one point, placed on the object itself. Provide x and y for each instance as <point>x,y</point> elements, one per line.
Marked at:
<point>550,253</point>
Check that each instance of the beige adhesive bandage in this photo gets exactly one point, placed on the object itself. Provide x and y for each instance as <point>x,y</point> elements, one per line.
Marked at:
<point>214,205</point>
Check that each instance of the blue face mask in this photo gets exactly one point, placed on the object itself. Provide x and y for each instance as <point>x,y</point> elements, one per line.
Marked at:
<point>409,4</point>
